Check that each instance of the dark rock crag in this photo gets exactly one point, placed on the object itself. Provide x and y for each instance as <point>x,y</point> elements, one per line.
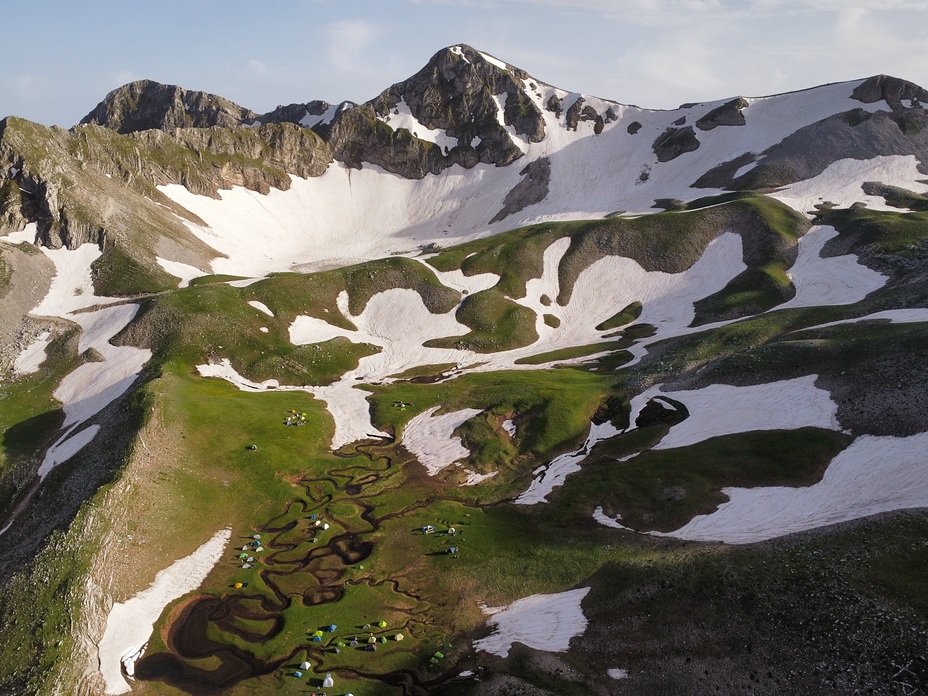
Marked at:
<point>673,142</point>
<point>728,114</point>
<point>532,189</point>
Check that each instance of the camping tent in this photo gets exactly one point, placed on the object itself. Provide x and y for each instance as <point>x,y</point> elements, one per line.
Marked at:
<point>304,665</point>
<point>328,682</point>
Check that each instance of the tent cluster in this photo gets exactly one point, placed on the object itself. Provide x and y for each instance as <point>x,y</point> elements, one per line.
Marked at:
<point>252,547</point>
<point>430,529</point>
<point>402,404</point>
<point>294,418</point>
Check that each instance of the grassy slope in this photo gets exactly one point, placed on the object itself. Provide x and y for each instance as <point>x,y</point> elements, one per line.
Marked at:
<point>203,477</point>
<point>671,241</point>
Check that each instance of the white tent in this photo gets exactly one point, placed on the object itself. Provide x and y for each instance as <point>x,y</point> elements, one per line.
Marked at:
<point>328,682</point>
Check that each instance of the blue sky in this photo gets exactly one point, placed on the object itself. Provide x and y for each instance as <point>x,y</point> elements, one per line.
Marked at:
<point>62,57</point>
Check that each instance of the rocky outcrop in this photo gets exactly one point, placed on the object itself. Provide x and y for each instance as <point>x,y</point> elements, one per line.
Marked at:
<point>580,111</point>
<point>673,142</point>
<point>295,113</point>
<point>532,189</point>
<point>892,89</point>
<point>633,127</point>
<point>145,105</point>
<point>554,105</point>
<point>728,114</point>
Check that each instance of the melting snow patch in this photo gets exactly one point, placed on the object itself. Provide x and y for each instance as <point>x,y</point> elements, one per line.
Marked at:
<point>618,673</point>
<point>130,623</point>
<point>458,51</point>
<point>93,385</point>
<point>224,370</point>
<point>86,390</point>
<point>33,356</point>
<point>27,234</point>
<point>494,61</point>
<point>429,438</point>
<point>510,427</point>
<point>600,516</point>
<point>463,283</point>
<point>184,271</point>
<point>873,475</point>
<point>261,307</point>
<point>543,622</point>
<point>401,117</point>
<point>913,315</point>
<point>311,120</point>
<point>549,477</point>
<point>66,447</point>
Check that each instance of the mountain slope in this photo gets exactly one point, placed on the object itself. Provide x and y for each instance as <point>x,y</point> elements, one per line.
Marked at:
<point>286,386</point>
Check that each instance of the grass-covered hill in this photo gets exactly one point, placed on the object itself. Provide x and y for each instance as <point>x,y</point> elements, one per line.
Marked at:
<point>612,401</point>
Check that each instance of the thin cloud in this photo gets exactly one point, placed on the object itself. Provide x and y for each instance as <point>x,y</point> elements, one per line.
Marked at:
<point>124,77</point>
<point>27,87</point>
<point>348,42</point>
<point>257,67</point>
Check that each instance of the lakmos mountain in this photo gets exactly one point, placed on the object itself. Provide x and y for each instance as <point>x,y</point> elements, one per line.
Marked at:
<point>479,387</point>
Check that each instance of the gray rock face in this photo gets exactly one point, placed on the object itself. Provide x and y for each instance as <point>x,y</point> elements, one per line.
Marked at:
<point>145,105</point>
<point>357,136</point>
<point>892,89</point>
<point>673,142</point>
<point>728,114</point>
<point>532,189</point>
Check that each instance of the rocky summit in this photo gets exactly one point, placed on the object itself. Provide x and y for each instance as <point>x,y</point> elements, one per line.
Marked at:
<point>482,386</point>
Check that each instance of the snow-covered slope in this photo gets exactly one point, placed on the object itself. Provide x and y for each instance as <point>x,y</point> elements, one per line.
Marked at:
<point>592,167</point>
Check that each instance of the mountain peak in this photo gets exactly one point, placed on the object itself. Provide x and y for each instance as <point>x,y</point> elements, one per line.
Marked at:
<point>146,104</point>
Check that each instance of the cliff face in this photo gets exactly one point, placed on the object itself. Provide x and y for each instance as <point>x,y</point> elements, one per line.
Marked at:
<point>93,185</point>
<point>145,105</point>
<point>459,91</point>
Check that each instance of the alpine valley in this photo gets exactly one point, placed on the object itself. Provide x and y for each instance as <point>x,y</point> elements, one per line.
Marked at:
<point>480,387</point>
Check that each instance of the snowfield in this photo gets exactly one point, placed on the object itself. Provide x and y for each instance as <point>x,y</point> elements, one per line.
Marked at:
<point>720,409</point>
<point>544,622</point>
<point>348,215</point>
<point>873,475</point>
<point>398,322</point>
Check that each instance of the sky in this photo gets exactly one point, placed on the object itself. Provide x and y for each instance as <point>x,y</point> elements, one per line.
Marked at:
<point>66,56</point>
